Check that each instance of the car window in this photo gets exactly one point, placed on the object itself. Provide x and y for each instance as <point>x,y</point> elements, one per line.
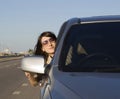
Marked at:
<point>92,47</point>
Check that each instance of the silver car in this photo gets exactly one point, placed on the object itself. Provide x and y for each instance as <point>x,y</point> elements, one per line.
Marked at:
<point>86,64</point>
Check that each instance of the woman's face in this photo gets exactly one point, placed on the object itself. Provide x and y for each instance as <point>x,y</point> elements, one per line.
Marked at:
<point>48,45</point>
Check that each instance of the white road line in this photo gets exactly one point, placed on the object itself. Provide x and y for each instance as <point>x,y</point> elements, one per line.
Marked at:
<point>16,92</point>
<point>19,67</point>
<point>15,64</point>
<point>19,92</point>
<point>24,84</point>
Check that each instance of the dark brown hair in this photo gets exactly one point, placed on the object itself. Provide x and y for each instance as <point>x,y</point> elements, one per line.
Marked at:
<point>38,46</point>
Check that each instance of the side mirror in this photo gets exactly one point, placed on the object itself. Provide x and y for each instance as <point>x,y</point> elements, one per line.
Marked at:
<point>33,64</point>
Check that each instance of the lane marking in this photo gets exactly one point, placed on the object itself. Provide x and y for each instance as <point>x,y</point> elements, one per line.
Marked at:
<point>19,92</point>
<point>24,84</point>
<point>16,92</point>
<point>19,67</point>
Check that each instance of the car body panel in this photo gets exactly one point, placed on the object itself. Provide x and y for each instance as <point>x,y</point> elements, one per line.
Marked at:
<point>89,85</point>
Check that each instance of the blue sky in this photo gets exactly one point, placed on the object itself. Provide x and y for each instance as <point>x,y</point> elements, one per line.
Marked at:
<point>22,21</point>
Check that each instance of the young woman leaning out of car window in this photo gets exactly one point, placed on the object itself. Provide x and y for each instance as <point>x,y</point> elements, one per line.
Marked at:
<point>45,46</point>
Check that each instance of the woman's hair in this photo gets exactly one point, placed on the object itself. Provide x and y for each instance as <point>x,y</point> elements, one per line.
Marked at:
<point>38,46</point>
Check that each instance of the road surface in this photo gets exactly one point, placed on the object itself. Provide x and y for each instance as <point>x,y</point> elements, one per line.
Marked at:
<point>13,83</point>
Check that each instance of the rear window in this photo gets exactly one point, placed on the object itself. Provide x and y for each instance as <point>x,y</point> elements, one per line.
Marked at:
<point>92,47</point>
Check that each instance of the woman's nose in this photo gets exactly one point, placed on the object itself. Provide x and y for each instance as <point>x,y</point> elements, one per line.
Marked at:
<point>49,43</point>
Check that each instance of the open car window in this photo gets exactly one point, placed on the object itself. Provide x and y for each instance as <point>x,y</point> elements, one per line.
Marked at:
<point>92,47</point>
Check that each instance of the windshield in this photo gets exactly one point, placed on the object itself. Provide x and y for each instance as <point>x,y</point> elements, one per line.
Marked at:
<point>92,47</point>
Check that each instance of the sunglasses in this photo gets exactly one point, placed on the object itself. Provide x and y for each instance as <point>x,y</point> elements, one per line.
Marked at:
<point>50,40</point>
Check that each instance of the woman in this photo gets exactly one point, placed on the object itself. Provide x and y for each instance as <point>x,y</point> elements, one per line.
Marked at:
<point>45,46</point>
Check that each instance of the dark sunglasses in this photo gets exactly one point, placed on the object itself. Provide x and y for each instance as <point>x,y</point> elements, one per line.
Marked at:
<point>47,41</point>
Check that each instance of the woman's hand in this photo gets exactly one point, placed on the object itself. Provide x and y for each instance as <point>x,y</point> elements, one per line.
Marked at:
<point>32,78</point>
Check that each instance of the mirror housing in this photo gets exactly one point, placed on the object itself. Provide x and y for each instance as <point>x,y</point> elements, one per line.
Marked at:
<point>33,64</point>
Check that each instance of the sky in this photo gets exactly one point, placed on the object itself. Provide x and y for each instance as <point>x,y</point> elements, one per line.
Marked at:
<point>22,21</point>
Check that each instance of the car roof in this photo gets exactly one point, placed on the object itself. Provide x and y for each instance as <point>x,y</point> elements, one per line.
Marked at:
<point>94,19</point>
<point>85,20</point>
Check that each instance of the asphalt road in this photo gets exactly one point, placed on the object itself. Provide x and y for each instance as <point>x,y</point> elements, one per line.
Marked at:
<point>13,83</point>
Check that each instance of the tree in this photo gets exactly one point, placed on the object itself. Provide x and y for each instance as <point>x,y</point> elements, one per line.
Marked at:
<point>30,51</point>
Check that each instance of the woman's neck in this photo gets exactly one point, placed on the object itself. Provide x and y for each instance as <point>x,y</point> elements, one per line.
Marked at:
<point>51,55</point>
